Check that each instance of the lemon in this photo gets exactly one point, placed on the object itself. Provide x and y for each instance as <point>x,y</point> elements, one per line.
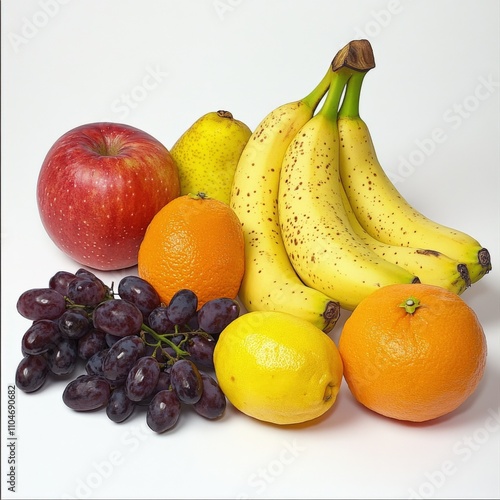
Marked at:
<point>278,368</point>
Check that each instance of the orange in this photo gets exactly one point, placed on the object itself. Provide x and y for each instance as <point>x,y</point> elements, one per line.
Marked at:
<point>412,352</point>
<point>193,242</point>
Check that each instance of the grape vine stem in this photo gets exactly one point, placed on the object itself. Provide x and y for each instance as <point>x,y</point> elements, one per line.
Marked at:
<point>163,338</point>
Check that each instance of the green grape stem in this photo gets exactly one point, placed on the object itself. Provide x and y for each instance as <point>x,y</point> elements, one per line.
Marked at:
<point>163,338</point>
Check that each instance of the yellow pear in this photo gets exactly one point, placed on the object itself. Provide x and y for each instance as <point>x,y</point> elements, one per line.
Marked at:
<point>208,152</point>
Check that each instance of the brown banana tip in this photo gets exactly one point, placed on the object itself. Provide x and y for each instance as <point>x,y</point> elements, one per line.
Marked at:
<point>357,55</point>
<point>464,274</point>
<point>484,258</point>
<point>331,315</point>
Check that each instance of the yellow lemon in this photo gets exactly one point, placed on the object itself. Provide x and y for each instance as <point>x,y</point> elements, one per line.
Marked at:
<point>278,368</point>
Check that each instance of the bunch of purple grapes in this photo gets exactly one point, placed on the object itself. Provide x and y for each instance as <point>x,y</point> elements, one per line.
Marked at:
<point>136,351</point>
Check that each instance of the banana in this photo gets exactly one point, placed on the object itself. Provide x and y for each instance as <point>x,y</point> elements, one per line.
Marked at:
<point>432,267</point>
<point>269,281</point>
<point>323,248</point>
<point>380,208</point>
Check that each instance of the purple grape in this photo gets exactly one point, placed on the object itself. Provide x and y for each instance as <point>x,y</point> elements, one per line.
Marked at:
<point>201,351</point>
<point>186,381</point>
<point>182,306</point>
<point>121,357</point>
<point>119,406</point>
<point>159,321</point>
<point>118,317</point>
<point>87,392</point>
<point>41,303</point>
<point>40,337</point>
<point>163,381</point>
<point>142,378</point>
<point>216,314</point>
<point>93,341</point>
<point>86,291</point>
<point>212,403</point>
<point>31,373</point>
<point>140,293</point>
<point>111,339</point>
<point>60,281</point>
<point>162,385</point>
<point>85,273</point>
<point>94,363</point>
<point>63,357</point>
<point>74,323</point>
<point>163,411</point>
<point>192,323</point>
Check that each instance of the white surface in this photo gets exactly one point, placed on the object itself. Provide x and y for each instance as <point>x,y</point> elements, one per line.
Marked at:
<point>65,63</point>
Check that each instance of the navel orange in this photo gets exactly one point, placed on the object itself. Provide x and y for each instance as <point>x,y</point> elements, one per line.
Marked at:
<point>193,242</point>
<point>413,352</point>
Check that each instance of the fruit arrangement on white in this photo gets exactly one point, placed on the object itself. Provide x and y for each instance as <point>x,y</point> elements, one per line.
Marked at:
<point>323,227</point>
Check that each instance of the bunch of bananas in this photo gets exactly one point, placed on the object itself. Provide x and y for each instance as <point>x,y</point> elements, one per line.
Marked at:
<point>324,226</point>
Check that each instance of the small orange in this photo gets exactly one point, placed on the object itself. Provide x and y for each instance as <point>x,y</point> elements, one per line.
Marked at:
<point>412,352</point>
<point>193,242</point>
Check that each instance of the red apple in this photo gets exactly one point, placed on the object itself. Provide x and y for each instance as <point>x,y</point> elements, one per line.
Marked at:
<point>98,189</point>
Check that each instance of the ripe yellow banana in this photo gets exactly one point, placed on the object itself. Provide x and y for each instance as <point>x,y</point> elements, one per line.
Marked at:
<point>270,282</point>
<point>322,246</point>
<point>432,267</point>
<point>380,208</point>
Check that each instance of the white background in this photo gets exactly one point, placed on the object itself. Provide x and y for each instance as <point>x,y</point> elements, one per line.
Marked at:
<point>66,63</point>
